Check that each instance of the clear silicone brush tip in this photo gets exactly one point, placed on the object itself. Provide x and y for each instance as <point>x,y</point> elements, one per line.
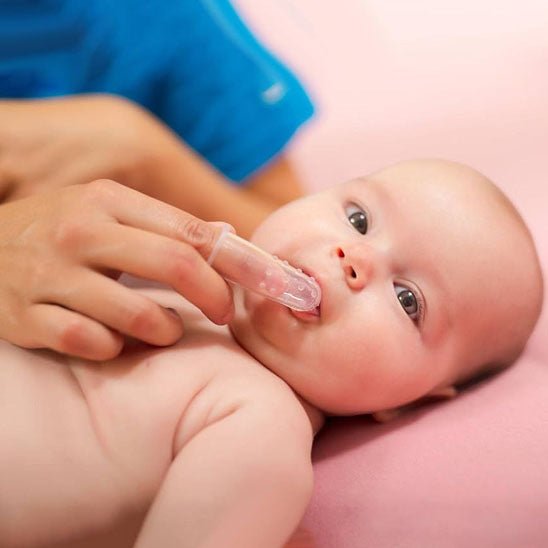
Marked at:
<point>243,263</point>
<point>302,291</point>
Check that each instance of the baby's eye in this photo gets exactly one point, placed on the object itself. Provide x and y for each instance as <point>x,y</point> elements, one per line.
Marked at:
<point>408,301</point>
<point>357,217</point>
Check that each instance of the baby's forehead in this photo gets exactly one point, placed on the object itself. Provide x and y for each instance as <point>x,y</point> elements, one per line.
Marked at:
<point>447,208</point>
<point>460,200</point>
<point>454,221</point>
<point>454,183</point>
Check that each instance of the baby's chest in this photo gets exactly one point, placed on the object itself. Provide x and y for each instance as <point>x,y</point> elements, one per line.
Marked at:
<point>138,401</point>
<point>62,476</point>
<point>100,437</point>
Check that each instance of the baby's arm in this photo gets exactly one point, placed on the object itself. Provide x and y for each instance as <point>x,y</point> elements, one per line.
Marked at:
<point>243,480</point>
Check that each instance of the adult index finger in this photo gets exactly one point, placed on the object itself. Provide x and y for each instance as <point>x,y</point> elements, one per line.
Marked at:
<point>132,208</point>
<point>156,257</point>
<point>241,262</point>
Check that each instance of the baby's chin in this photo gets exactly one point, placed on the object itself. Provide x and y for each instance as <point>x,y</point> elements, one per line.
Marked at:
<point>241,327</point>
<point>266,330</point>
<point>282,359</point>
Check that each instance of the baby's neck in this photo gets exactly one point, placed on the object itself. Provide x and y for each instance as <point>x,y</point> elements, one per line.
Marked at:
<point>317,417</point>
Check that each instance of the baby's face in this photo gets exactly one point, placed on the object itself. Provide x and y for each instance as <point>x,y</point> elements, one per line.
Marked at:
<point>408,261</point>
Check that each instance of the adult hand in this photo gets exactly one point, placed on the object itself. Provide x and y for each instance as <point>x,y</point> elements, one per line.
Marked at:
<point>59,253</point>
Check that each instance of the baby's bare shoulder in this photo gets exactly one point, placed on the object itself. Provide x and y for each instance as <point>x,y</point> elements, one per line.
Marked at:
<point>240,383</point>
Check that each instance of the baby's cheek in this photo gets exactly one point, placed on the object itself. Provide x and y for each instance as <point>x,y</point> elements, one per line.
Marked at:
<point>354,353</point>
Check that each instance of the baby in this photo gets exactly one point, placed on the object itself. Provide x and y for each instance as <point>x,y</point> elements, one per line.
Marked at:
<point>429,277</point>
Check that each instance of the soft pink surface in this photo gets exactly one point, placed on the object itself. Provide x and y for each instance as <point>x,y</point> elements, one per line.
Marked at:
<point>466,81</point>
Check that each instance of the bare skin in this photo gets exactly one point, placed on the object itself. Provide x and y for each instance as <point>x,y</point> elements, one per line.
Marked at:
<point>60,252</point>
<point>53,143</point>
<point>146,429</point>
<point>411,270</point>
<point>211,438</point>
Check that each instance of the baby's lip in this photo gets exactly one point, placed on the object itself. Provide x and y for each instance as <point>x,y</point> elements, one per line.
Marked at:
<point>310,316</point>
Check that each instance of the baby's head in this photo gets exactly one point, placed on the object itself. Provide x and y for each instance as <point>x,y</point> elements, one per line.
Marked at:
<point>429,277</point>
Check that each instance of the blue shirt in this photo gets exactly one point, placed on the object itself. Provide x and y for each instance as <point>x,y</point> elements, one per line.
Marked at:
<point>193,63</point>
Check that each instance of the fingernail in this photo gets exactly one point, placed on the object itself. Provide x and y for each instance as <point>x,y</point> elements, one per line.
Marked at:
<point>227,317</point>
<point>173,312</point>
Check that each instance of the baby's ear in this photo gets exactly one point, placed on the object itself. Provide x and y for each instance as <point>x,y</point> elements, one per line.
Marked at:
<point>445,393</point>
<point>387,415</point>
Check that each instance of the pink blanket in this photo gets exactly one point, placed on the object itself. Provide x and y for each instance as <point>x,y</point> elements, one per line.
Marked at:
<point>466,81</point>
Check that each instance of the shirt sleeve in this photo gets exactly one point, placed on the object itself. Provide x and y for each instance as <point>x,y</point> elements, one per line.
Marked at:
<point>193,63</point>
<point>226,95</point>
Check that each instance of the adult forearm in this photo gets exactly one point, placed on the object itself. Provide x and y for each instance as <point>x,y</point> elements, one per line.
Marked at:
<point>52,143</point>
<point>183,179</point>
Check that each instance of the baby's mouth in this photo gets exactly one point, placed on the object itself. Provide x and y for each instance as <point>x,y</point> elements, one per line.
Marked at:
<point>308,315</point>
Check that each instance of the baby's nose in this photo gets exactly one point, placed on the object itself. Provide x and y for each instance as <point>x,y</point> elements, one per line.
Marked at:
<point>358,265</point>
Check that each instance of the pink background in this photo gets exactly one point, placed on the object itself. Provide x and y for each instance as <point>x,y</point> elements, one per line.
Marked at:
<point>466,81</point>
